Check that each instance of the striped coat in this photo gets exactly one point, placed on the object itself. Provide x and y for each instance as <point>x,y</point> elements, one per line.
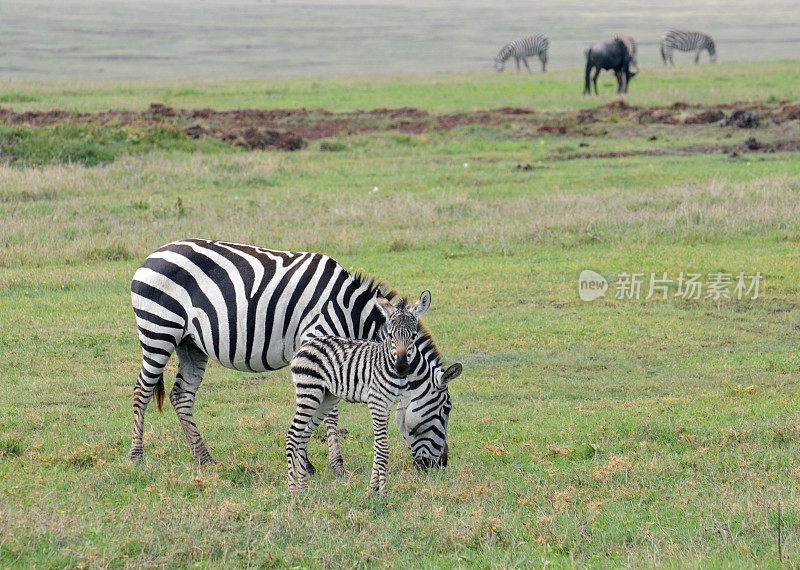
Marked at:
<point>250,308</point>
<point>682,40</point>
<point>523,48</point>
<point>327,369</point>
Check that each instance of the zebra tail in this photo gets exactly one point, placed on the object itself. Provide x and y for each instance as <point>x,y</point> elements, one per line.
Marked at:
<point>159,393</point>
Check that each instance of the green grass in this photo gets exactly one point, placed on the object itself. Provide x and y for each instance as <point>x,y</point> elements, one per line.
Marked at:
<point>582,433</point>
<point>91,145</point>
<point>556,90</point>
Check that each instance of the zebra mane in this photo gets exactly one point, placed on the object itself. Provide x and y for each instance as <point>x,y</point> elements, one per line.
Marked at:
<point>377,286</point>
<point>506,52</point>
<point>373,284</point>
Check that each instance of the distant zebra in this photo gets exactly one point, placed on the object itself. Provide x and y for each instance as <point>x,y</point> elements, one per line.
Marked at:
<point>330,368</point>
<point>630,43</point>
<point>250,308</point>
<point>522,49</point>
<point>686,41</point>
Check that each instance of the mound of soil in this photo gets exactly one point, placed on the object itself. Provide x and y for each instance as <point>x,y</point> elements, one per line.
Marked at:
<point>789,112</point>
<point>704,117</point>
<point>253,138</point>
<point>290,129</point>
<point>740,119</point>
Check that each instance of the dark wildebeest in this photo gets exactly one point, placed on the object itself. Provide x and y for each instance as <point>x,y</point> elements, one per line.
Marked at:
<point>609,55</point>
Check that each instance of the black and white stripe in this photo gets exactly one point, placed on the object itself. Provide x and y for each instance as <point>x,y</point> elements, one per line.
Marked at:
<point>250,308</point>
<point>523,48</point>
<point>682,40</point>
<point>330,368</point>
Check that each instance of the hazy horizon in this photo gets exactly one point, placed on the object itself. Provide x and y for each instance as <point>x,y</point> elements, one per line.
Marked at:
<point>123,39</point>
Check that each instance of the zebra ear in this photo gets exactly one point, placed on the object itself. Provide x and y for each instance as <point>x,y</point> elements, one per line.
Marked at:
<point>385,306</point>
<point>421,307</point>
<point>449,375</point>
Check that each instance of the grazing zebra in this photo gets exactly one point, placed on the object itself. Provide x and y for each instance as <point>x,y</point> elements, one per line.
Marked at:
<point>249,308</point>
<point>630,43</point>
<point>522,49</point>
<point>330,368</point>
<point>686,41</point>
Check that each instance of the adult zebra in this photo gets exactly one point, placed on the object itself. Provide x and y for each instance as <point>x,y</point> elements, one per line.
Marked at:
<point>521,49</point>
<point>682,40</point>
<point>249,308</point>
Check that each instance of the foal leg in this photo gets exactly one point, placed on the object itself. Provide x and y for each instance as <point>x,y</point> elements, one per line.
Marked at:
<point>379,413</point>
<point>335,459</point>
<point>313,404</point>
<point>191,367</point>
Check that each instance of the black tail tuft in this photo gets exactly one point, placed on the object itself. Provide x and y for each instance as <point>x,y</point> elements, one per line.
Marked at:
<point>159,393</point>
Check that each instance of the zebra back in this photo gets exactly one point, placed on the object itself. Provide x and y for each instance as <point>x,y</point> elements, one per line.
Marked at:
<point>249,308</point>
<point>683,40</point>
<point>524,47</point>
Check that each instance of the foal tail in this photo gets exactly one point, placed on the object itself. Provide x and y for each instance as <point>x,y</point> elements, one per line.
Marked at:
<point>159,393</point>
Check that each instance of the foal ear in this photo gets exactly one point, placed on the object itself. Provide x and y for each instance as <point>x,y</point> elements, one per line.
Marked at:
<point>385,306</point>
<point>450,374</point>
<point>421,307</point>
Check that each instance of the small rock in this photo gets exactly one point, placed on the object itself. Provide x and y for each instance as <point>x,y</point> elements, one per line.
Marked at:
<point>753,144</point>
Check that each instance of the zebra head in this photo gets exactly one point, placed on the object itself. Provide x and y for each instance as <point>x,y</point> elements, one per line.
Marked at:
<point>712,50</point>
<point>402,328</point>
<point>499,65</point>
<point>423,410</point>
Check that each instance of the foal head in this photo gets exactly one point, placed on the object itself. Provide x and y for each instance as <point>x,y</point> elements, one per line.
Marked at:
<point>402,327</point>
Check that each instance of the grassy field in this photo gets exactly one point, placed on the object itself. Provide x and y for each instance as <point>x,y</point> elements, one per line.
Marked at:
<point>582,433</point>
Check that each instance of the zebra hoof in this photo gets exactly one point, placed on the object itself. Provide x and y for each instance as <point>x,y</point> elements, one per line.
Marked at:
<point>310,469</point>
<point>338,468</point>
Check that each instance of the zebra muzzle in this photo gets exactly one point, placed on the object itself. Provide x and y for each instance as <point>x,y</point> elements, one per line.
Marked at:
<point>401,364</point>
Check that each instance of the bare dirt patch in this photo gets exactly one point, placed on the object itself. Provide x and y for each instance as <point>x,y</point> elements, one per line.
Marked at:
<point>291,129</point>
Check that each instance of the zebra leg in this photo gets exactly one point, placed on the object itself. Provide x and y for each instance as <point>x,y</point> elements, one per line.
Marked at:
<point>516,60</point>
<point>379,413</point>
<point>525,61</point>
<point>335,459</point>
<point>313,404</point>
<point>151,376</point>
<point>543,58</point>
<point>191,367</point>
<point>697,56</point>
<point>296,475</point>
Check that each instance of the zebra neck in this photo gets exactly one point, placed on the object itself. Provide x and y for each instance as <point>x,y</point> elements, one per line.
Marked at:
<point>505,53</point>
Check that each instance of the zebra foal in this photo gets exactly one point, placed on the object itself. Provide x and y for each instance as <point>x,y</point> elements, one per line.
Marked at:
<point>682,40</point>
<point>521,49</point>
<point>327,369</point>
